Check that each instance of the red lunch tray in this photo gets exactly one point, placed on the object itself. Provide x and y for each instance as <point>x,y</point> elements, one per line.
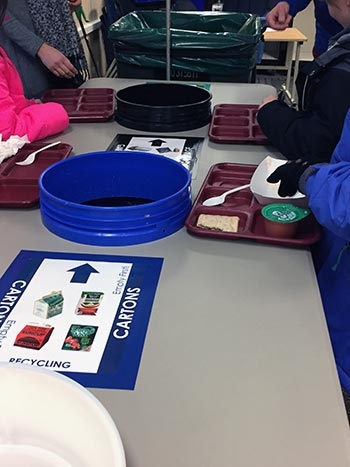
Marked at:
<point>224,176</point>
<point>19,184</point>
<point>235,123</point>
<point>84,105</point>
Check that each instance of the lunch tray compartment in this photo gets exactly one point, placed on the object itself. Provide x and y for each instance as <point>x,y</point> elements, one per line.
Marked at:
<point>224,176</point>
<point>19,184</point>
<point>236,123</point>
<point>84,105</point>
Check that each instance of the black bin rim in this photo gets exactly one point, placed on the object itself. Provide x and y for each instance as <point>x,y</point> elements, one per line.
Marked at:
<point>199,95</point>
<point>163,107</point>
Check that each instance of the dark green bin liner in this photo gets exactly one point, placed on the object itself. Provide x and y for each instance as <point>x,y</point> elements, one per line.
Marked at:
<point>221,45</point>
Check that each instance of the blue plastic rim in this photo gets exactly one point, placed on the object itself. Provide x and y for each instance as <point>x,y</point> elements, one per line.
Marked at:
<point>65,185</point>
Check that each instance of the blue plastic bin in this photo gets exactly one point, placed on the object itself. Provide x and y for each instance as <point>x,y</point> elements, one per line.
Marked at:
<point>66,187</point>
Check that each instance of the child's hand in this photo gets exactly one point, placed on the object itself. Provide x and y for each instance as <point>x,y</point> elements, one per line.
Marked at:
<point>267,99</point>
<point>289,175</point>
<point>56,62</point>
<point>279,17</point>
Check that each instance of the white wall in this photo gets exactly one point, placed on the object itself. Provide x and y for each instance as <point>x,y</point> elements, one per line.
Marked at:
<point>93,8</point>
<point>93,11</point>
<point>305,22</point>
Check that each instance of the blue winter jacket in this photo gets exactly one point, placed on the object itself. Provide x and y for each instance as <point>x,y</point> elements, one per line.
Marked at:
<point>326,26</point>
<point>328,189</point>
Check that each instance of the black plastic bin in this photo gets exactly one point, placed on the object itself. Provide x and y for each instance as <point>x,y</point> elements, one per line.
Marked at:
<point>205,46</point>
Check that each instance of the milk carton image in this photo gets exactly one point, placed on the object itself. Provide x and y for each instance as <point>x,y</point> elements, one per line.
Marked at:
<point>49,305</point>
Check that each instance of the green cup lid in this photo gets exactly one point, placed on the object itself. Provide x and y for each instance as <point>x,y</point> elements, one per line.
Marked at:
<point>284,213</point>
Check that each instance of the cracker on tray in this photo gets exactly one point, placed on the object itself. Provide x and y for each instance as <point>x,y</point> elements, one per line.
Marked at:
<point>218,223</point>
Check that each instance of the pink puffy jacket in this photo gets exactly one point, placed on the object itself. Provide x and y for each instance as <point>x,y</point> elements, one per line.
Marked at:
<point>21,116</point>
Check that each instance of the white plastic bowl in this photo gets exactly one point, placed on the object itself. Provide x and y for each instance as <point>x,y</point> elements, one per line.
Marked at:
<point>22,455</point>
<point>267,193</point>
<point>52,421</point>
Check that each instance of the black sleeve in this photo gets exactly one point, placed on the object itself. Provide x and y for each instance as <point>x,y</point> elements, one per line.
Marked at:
<point>311,134</point>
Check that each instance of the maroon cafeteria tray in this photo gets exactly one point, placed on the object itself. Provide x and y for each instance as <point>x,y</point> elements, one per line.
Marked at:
<point>19,184</point>
<point>236,123</point>
<point>84,105</point>
<point>224,176</point>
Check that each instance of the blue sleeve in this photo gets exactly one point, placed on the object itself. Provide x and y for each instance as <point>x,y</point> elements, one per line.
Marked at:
<point>328,189</point>
<point>297,5</point>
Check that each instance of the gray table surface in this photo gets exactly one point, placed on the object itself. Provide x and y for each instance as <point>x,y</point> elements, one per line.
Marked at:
<point>237,368</point>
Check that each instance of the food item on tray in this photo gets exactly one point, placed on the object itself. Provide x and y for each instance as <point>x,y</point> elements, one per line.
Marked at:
<point>218,223</point>
<point>282,220</point>
<point>33,336</point>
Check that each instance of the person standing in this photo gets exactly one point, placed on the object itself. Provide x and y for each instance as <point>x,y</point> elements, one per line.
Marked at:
<point>280,16</point>
<point>42,40</point>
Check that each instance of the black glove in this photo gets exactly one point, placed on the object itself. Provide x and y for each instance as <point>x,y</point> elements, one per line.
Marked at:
<point>289,175</point>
